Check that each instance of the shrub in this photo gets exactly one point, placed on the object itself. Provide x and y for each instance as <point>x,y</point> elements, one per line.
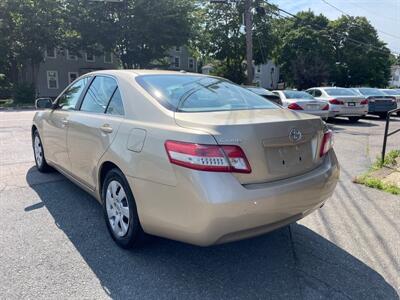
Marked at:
<point>24,93</point>
<point>5,87</point>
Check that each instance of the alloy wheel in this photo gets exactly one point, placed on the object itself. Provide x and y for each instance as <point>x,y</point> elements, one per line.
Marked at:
<point>38,150</point>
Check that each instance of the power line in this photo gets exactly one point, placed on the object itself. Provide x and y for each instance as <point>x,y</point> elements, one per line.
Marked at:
<point>350,16</point>
<point>360,43</point>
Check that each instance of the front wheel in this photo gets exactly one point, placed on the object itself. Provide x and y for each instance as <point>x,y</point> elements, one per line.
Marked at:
<point>38,152</point>
<point>120,211</point>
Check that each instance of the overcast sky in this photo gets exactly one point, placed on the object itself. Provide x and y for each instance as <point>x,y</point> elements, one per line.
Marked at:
<point>383,14</point>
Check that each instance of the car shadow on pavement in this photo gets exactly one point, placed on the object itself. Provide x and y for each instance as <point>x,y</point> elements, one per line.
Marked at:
<point>293,262</point>
<point>361,123</point>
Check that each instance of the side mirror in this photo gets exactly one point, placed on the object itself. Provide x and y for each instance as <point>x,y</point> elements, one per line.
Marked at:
<point>43,103</point>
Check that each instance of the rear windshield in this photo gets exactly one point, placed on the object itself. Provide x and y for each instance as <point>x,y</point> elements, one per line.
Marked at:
<point>371,92</point>
<point>191,93</point>
<point>297,95</point>
<point>391,92</point>
<point>260,91</point>
<point>340,92</point>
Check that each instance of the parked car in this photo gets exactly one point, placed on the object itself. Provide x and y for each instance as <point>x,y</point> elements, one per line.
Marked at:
<point>184,156</point>
<point>342,102</point>
<point>393,93</point>
<point>379,102</point>
<point>265,94</point>
<point>303,102</point>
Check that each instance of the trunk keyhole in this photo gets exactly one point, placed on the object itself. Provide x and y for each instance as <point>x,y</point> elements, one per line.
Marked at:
<point>300,158</point>
<point>283,162</point>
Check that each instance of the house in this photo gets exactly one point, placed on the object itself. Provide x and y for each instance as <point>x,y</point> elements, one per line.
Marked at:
<point>61,67</point>
<point>395,76</point>
<point>181,59</point>
<point>267,75</point>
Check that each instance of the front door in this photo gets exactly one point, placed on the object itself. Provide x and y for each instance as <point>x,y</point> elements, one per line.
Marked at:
<point>93,128</point>
<point>56,126</point>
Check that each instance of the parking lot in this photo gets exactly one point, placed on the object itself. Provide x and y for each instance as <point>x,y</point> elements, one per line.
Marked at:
<point>54,242</point>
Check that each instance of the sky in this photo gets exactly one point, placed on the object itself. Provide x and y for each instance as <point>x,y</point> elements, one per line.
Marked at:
<point>384,15</point>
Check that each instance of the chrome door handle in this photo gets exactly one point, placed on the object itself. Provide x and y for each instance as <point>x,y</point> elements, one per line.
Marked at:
<point>106,128</point>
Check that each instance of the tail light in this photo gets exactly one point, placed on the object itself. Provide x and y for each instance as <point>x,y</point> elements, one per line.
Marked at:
<point>295,106</point>
<point>326,107</point>
<point>212,158</point>
<point>327,143</point>
<point>364,102</point>
<point>336,102</point>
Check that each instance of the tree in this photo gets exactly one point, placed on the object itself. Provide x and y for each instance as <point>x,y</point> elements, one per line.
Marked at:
<point>27,29</point>
<point>140,30</point>
<point>221,37</point>
<point>361,58</point>
<point>305,52</point>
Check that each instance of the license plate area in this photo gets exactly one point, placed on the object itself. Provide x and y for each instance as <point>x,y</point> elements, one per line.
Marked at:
<point>290,160</point>
<point>351,104</point>
<point>312,106</point>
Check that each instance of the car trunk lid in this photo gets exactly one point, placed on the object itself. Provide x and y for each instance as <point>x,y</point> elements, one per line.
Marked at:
<point>278,143</point>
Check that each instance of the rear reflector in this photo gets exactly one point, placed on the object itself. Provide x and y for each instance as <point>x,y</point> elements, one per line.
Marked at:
<point>212,158</point>
<point>327,143</point>
<point>336,102</point>
<point>364,102</point>
<point>295,106</point>
<point>326,107</point>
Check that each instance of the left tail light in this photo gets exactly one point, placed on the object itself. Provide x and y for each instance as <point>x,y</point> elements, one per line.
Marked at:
<point>326,107</point>
<point>212,158</point>
<point>327,143</point>
<point>364,102</point>
<point>295,106</point>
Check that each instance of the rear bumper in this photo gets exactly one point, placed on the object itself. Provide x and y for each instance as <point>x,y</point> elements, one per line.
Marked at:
<point>211,208</point>
<point>347,111</point>
<point>324,114</point>
<point>375,107</point>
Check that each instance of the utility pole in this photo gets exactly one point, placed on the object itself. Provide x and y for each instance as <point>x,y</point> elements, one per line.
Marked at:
<point>248,22</point>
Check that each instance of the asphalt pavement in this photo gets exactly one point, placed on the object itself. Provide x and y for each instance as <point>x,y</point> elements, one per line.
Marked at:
<point>54,243</point>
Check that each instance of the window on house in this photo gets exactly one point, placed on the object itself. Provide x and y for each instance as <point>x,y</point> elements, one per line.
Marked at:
<point>71,56</point>
<point>52,79</point>
<point>90,57</point>
<point>51,53</point>
<point>191,63</point>
<point>108,57</point>
<point>178,49</point>
<point>177,62</point>
<point>72,76</point>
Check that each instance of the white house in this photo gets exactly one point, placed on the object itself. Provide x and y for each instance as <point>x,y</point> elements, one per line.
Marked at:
<point>395,80</point>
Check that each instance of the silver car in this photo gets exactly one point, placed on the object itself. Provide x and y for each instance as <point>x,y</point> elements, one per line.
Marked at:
<point>342,102</point>
<point>303,102</point>
<point>189,157</point>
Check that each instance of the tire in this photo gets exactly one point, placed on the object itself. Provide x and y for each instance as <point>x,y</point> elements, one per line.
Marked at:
<point>354,119</point>
<point>38,153</point>
<point>120,211</point>
<point>382,115</point>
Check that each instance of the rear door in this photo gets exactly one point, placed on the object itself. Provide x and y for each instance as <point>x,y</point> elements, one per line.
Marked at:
<point>93,128</point>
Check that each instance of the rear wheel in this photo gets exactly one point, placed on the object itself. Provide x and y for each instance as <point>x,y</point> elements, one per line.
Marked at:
<point>38,152</point>
<point>120,211</point>
<point>354,119</point>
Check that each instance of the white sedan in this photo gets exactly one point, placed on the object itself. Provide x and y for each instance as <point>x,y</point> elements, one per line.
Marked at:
<point>304,102</point>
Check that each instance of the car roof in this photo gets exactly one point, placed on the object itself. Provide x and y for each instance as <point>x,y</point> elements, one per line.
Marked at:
<point>137,72</point>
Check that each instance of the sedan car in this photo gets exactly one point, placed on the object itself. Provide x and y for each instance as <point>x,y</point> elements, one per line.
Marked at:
<point>342,102</point>
<point>394,93</point>
<point>379,102</point>
<point>188,157</point>
<point>265,94</point>
<point>303,102</point>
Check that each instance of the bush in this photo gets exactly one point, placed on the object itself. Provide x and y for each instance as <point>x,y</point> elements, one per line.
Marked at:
<point>24,93</point>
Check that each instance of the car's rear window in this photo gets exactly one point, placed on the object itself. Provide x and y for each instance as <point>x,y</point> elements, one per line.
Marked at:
<point>297,95</point>
<point>371,92</point>
<point>340,92</point>
<point>191,93</point>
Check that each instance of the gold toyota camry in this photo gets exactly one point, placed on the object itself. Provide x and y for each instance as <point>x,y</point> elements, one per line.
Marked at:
<point>185,156</point>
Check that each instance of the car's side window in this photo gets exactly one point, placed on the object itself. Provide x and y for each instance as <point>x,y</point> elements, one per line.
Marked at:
<point>99,94</point>
<point>69,99</point>
<point>317,93</point>
<point>311,92</point>
<point>115,107</point>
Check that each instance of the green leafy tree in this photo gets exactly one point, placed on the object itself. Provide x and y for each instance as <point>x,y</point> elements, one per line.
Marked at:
<point>305,52</point>
<point>361,58</point>
<point>221,37</point>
